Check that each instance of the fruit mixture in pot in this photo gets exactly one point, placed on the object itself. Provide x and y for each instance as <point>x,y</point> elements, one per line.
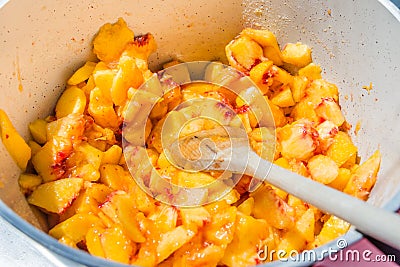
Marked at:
<point>81,181</point>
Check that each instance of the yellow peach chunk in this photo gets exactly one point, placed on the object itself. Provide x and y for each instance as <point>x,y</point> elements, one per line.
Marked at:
<point>262,134</point>
<point>242,251</point>
<point>328,109</point>
<point>28,182</point>
<point>273,54</point>
<point>93,241</point>
<point>363,178</point>
<point>298,205</point>
<point>297,140</point>
<point>349,164</point>
<point>47,161</point>
<point>283,98</point>
<point>142,46</point>
<point>120,207</point>
<point>89,86</point>
<point>173,240</point>
<point>85,162</point>
<point>102,110</point>
<point>341,149</point>
<point>209,255</point>
<point>297,54</point>
<point>38,129</point>
<point>298,167</point>
<point>116,245</point>
<point>311,71</point>
<point>70,127</point>
<point>281,76</point>
<point>82,74</point>
<point>305,110</point>
<point>243,53</point>
<point>305,225</point>
<point>260,75</point>
<point>269,206</point>
<point>112,155</point>
<point>73,100</point>
<point>323,169</point>
<point>333,228</point>
<point>194,179</point>
<point>116,177</point>
<point>221,229</point>
<point>128,75</point>
<point>75,228</point>
<point>247,206</point>
<point>35,147</point>
<point>103,79</point>
<point>290,241</point>
<point>88,200</point>
<point>111,40</point>
<point>67,241</point>
<point>198,216</point>
<point>159,110</point>
<point>279,192</point>
<point>162,161</point>
<point>326,132</point>
<point>268,41</point>
<point>320,89</point>
<point>283,162</point>
<point>277,113</point>
<point>298,86</point>
<point>341,181</point>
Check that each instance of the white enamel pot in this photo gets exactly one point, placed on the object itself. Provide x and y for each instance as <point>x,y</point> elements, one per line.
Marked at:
<point>355,42</point>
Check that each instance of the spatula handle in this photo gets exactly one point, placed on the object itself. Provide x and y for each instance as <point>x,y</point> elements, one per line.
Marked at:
<point>373,221</point>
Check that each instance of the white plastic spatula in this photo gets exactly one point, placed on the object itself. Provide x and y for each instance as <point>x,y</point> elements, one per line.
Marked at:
<point>210,150</point>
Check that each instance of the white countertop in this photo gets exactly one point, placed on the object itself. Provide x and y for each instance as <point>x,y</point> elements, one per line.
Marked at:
<point>17,250</point>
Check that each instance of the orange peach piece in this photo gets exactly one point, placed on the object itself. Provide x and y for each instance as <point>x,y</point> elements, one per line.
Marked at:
<point>111,40</point>
<point>116,245</point>
<point>328,109</point>
<point>38,129</point>
<point>242,251</point>
<point>269,206</point>
<point>323,169</point>
<point>268,41</point>
<point>82,74</point>
<point>297,54</point>
<point>173,240</point>
<point>75,228</point>
<point>341,149</point>
<point>13,142</point>
<point>56,196</point>
<point>364,177</point>
<point>297,140</point>
<point>243,53</point>
<point>93,241</point>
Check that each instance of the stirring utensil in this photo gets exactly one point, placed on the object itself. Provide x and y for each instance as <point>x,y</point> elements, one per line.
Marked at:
<point>229,150</point>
